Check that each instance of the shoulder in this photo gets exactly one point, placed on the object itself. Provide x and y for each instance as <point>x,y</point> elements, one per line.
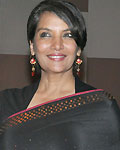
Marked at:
<point>15,93</point>
<point>8,100</point>
<point>103,115</point>
<point>111,114</point>
<point>111,105</point>
<point>14,100</point>
<point>105,106</point>
<point>107,110</point>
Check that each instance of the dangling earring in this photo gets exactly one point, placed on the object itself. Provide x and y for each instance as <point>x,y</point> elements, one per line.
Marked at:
<point>78,63</point>
<point>33,62</point>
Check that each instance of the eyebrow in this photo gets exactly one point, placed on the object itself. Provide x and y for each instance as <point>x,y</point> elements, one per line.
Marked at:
<point>50,29</point>
<point>67,29</point>
<point>42,29</point>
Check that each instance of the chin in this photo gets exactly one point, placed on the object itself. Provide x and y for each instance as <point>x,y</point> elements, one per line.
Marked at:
<point>60,70</point>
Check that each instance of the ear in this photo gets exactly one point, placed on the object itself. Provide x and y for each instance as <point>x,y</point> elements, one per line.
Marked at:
<point>32,48</point>
<point>79,52</point>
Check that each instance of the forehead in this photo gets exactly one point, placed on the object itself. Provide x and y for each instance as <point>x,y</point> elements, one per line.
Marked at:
<point>51,19</point>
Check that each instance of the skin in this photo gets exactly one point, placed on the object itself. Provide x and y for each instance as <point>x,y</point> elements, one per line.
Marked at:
<point>55,50</point>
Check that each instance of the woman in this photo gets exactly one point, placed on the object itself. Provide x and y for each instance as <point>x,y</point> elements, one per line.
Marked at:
<point>59,111</point>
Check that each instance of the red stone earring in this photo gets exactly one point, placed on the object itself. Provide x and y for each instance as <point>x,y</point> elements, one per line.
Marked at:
<point>33,62</point>
<point>78,63</point>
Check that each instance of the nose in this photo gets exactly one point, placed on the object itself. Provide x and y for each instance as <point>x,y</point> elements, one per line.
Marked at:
<point>57,44</point>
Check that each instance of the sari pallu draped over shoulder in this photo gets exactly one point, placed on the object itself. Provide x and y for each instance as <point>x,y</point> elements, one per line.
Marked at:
<point>83,121</point>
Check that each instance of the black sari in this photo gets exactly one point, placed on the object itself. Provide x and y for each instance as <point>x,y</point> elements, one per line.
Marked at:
<point>87,120</point>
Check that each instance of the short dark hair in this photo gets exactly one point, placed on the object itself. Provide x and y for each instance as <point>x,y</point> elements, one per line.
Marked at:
<point>65,10</point>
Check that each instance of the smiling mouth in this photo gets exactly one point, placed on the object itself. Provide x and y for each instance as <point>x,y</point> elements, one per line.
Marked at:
<point>56,57</point>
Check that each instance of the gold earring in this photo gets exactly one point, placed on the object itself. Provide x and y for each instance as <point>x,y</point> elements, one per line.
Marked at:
<point>33,62</point>
<point>78,63</point>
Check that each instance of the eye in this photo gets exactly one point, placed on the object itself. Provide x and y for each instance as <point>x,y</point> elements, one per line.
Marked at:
<point>69,35</point>
<point>45,34</point>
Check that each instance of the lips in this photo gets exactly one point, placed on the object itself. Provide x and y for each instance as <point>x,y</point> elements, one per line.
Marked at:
<point>56,57</point>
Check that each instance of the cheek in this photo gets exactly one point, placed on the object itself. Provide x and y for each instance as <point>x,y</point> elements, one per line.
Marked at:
<point>72,50</point>
<point>71,46</point>
<point>41,47</point>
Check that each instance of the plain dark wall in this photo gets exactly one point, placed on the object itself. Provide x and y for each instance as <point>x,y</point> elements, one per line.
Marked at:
<point>15,71</point>
<point>105,73</point>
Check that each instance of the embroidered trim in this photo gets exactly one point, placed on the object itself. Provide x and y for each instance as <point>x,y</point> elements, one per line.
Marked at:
<point>55,107</point>
<point>55,100</point>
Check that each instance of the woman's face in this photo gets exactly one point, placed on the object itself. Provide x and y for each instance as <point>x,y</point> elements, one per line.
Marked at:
<point>53,45</point>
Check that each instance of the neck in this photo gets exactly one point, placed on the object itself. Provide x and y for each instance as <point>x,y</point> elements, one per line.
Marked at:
<point>57,82</point>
